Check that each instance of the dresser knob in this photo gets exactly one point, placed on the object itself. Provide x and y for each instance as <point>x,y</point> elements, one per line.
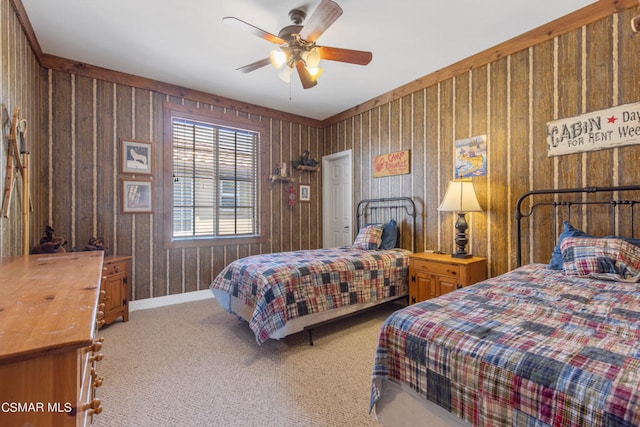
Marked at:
<point>96,346</point>
<point>97,380</point>
<point>100,315</point>
<point>98,357</point>
<point>94,405</point>
<point>100,323</point>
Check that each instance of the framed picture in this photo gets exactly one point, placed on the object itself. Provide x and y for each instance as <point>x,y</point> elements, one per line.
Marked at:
<point>136,156</point>
<point>136,196</point>
<point>305,193</point>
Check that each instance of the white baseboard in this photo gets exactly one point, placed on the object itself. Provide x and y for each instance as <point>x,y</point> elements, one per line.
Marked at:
<point>144,304</point>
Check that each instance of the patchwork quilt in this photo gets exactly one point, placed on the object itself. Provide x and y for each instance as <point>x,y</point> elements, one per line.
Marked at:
<point>532,347</point>
<point>282,286</point>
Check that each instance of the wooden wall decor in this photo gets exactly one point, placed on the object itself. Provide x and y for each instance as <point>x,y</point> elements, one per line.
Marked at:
<point>398,163</point>
<point>598,130</point>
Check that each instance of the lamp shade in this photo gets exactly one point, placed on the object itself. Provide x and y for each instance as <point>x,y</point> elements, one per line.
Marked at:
<point>460,197</point>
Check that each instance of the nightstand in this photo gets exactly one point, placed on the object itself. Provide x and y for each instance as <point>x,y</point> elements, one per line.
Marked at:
<point>115,288</point>
<point>432,275</point>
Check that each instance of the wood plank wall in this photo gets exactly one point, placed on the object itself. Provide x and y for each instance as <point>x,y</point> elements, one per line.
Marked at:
<point>86,119</point>
<point>510,100</point>
<point>20,86</point>
<point>77,114</point>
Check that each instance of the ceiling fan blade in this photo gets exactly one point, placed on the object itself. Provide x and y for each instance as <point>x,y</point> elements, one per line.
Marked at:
<point>325,14</point>
<point>254,65</point>
<point>245,26</point>
<point>351,56</point>
<point>305,77</point>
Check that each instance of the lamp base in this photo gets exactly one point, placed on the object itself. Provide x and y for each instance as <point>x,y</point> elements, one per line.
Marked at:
<point>461,237</point>
<point>461,255</point>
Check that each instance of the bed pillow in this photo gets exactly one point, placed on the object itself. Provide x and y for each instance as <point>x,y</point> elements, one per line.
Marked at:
<point>369,237</point>
<point>389,237</point>
<point>583,255</point>
<point>615,258</point>
<point>556,262</point>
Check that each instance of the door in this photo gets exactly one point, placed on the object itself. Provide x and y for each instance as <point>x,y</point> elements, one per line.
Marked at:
<point>337,205</point>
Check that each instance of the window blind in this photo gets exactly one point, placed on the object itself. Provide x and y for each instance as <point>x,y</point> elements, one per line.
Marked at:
<point>215,173</point>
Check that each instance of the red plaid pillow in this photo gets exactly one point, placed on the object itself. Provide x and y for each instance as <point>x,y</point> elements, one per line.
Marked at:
<point>583,256</point>
<point>369,237</point>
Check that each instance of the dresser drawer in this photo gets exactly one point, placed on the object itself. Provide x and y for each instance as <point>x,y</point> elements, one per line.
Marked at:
<point>441,269</point>
<point>115,268</point>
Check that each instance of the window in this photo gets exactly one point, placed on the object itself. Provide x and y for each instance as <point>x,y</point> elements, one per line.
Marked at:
<point>214,178</point>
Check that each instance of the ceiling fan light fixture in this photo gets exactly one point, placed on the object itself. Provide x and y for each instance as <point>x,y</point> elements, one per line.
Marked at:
<point>314,71</point>
<point>313,58</point>
<point>278,58</point>
<point>285,74</point>
<point>297,45</point>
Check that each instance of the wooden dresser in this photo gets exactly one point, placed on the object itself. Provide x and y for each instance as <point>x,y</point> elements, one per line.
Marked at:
<point>48,349</point>
<point>432,275</point>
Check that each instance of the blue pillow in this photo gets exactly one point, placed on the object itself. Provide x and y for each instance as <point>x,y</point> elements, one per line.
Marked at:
<point>389,235</point>
<point>569,231</point>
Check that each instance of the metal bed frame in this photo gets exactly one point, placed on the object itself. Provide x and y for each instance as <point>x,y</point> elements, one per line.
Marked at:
<point>614,202</point>
<point>380,211</point>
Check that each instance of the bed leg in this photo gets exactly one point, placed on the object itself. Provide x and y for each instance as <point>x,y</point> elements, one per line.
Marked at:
<point>310,337</point>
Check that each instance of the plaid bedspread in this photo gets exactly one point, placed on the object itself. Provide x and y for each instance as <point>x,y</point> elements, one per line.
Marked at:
<point>285,285</point>
<point>532,347</point>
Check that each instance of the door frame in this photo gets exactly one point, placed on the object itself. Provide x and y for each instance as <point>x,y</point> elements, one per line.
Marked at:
<point>326,186</point>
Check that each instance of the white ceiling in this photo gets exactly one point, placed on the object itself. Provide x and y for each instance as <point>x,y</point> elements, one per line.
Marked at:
<point>187,44</point>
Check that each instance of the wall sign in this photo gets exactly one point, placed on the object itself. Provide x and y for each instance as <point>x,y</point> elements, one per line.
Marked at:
<point>598,130</point>
<point>471,157</point>
<point>391,164</point>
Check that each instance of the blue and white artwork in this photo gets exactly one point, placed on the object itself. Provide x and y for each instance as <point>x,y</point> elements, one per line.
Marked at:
<point>471,157</point>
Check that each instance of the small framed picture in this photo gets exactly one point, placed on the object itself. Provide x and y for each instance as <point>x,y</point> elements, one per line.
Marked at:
<point>305,193</point>
<point>136,196</point>
<point>136,156</point>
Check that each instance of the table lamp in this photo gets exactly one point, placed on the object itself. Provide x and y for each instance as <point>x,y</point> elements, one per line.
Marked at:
<point>460,198</point>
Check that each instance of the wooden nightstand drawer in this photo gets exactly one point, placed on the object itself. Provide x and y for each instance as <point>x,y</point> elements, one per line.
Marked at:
<point>438,268</point>
<point>115,268</point>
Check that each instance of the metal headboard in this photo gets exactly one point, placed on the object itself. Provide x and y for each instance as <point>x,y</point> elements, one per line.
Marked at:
<point>562,207</point>
<point>382,210</point>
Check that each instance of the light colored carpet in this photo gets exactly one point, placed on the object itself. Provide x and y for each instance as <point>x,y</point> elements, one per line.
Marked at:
<point>194,364</point>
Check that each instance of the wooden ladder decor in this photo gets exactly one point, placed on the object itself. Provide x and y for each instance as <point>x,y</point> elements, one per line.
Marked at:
<point>17,158</point>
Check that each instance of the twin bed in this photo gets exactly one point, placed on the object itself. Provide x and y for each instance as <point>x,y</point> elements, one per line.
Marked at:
<point>536,346</point>
<point>284,293</point>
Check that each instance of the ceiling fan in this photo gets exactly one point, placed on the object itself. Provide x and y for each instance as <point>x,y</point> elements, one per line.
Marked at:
<point>298,46</point>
